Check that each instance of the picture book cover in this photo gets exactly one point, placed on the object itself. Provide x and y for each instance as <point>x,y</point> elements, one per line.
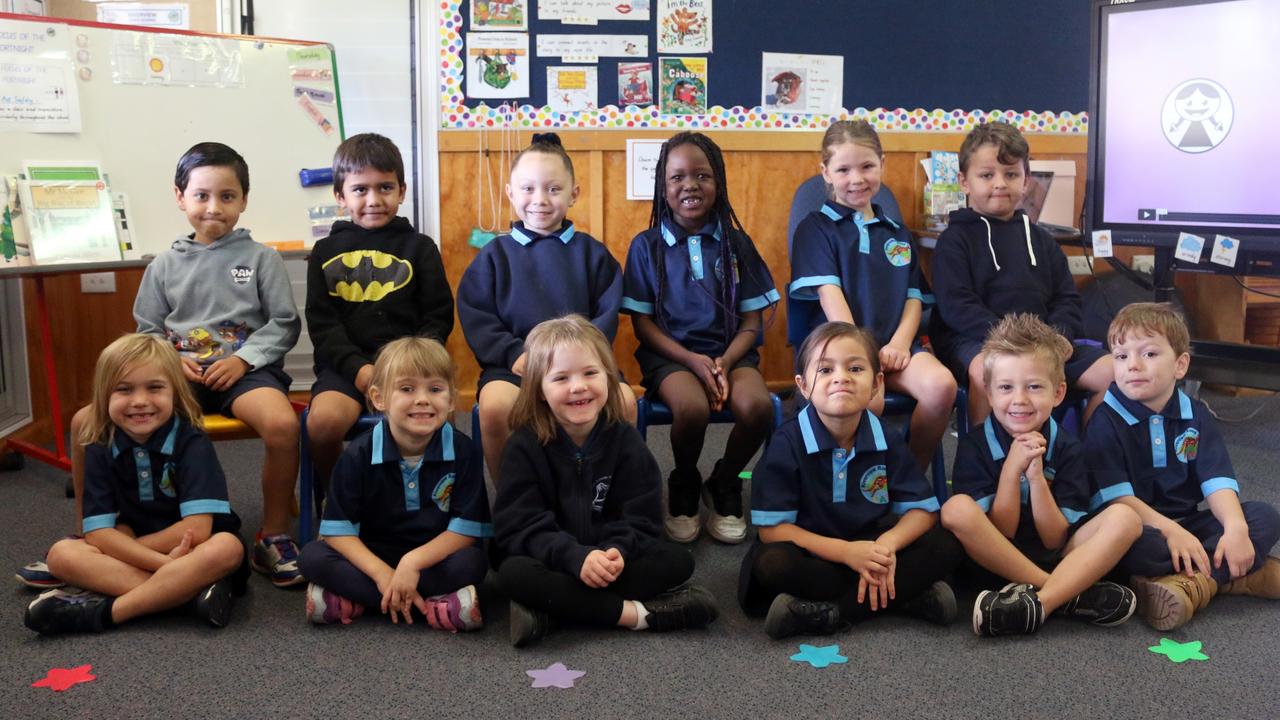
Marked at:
<point>683,82</point>
<point>684,26</point>
<point>635,84</point>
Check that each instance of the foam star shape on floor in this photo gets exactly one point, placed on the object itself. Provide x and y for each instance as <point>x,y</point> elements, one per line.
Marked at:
<point>60,679</point>
<point>1179,652</point>
<point>820,657</point>
<point>554,675</point>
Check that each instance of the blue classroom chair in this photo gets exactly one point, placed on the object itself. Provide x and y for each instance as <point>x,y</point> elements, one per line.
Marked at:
<point>308,498</point>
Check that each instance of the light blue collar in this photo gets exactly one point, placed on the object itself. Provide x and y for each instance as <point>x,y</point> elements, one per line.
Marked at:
<point>524,237</point>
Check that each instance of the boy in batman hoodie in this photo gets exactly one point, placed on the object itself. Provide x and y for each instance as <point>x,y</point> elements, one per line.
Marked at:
<point>992,261</point>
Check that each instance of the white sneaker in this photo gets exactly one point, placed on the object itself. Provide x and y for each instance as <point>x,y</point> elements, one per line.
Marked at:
<point>729,529</point>
<point>682,528</point>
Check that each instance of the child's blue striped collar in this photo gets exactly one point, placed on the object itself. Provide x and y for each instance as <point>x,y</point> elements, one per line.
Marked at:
<point>838,212</point>
<point>524,237</point>
<point>384,449</point>
<point>1132,412</point>
<point>673,233</point>
<point>869,436</point>
<point>162,440</point>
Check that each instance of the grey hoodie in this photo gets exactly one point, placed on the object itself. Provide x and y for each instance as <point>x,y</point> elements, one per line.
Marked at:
<point>231,297</point>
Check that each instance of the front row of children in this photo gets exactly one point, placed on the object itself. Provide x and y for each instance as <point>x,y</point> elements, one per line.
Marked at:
<point>848,525</point>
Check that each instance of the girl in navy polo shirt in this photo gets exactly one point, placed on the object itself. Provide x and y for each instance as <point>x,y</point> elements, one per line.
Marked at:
<point>158,529</point>
<point>696,288</point>
<point>580,506</point>
<point>848,524</point>
<point>543,268</point>
<point>407,505</point>
<point>862,268</point>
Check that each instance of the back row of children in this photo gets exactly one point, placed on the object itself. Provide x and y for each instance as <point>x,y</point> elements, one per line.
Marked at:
<point>375,279</point>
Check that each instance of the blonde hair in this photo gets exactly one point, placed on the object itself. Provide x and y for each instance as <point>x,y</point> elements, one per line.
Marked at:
<point>858,132</point>
<point>411,357</point>
<point>1152,319</point>
<point>531,408</point>
<point>1026,334</point>
<point>116,361</point>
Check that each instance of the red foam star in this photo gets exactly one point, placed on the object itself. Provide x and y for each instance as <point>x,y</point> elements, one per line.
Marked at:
<point>60,679</point>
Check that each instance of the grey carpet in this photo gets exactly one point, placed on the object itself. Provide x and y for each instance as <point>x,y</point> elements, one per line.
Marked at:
<point>271,664</point>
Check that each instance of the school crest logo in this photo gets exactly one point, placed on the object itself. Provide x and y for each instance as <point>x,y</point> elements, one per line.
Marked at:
<point>875,485</point>
<point>443,492</point>
<point>1186,445</point>
<point>166,479</point>
<point>898,252</point>
<point>602,490</point>
<point>241,274</point>
<point>719,269</point>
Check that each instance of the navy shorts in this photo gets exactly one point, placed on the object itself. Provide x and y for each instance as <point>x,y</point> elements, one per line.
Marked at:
<point>213,401</point>
<point>655,368</point>
<point>1083,356</point>
<point>328,380</point>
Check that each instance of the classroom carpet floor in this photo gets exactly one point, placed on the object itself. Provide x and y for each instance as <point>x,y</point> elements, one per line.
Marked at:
<point>270,663</point>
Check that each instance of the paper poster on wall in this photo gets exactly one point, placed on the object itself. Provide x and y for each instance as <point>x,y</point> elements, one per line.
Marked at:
<point>38,76</point>
<point>635,84</point>
<point>683,83</point>
<point>572,88</point>
<point>642,163</point>
<point>583,11</point>
<point>497,65</point>
<point>507,15</point>
<point>812,84</point>
<point>139,58</point>
<point>170,16</point>
<point>586,48</point>
<point>69,213</point>
<point>684,26</point>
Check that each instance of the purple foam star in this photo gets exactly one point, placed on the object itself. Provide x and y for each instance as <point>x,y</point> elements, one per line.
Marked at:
<point>554,675</point>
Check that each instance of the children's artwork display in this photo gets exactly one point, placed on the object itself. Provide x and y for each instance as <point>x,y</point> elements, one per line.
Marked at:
<point>592,11</point>
<point>635,84</point>
<point>181,60</point>
<point>588,48</point>
<point>497,65</point>
<point>802,83</point>
<point>684,26</point>
<point>40,91</point>
<point>573,88</point>
<point>509,15</point>
<point>683,82</point>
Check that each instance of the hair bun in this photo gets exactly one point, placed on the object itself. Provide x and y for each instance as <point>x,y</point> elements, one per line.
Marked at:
<point>549,138</point>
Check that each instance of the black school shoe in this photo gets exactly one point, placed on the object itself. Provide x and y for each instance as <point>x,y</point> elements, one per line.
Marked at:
<point>213,604</point>
<point>937,604</point>
<point>1014,610</point>
<point>790,615</point>
<point>68,611</point>
<point>1104,603</point>
<point>686,607</point>
<point>528,626</point>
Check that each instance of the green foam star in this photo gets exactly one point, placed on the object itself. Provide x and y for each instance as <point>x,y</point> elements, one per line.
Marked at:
<point>1179,652</point>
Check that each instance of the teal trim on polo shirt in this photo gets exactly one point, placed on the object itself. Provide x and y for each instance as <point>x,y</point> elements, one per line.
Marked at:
<point>800,287</point>
<point>1114,403</point>
<point>864,237</point>
<point>832,213</point>
<point>142,465</point>
<point>412,487</point>
<point>985,503</point>
<point>877,432</point>
<point>471,528</point>
<point>446,443</point>
<point>1109,493</point>
<point>1159,458</point>
<point>806,431</point>
<point>839,474</point>
<point>375,454</point>
<point>204,507</point>
<point>759,302</point>
<point>1072,516</point>
<point>928,505</point>
<point>1053,439</point>
<point>98,522</point>
<point>1213,485</point>
<point>993,445</point>
<point>523,236</point>
<point>769,518</point>
<point>1184,405</point>
<point>915,294</point>
<point>339,528</point>
<point>636,306</point>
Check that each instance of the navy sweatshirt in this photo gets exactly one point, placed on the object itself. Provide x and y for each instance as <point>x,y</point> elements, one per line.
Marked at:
<point>986,268</point>
<point>366,288</point>
<point>520,279</point>
<point>558,502</point>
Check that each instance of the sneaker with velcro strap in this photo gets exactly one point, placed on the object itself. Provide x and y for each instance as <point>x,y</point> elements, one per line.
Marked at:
<point>56,612</point>
<point>36,575</point>
<point>684,608</point>
<point>458,611</point>
<point>790,615</point>
<point>276,556</point>
<point>1103,603</point>
<point>1013,610</point>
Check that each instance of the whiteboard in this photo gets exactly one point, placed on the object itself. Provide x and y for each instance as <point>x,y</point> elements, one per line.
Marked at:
<point>137,132</point>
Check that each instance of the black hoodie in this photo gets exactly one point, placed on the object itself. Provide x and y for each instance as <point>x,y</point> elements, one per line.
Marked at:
<point>985,268</point>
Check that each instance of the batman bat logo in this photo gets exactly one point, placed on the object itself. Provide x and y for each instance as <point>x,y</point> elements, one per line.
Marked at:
<point>366,275</point>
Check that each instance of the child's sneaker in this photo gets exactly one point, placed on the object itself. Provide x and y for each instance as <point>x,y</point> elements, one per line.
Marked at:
<point>723,500</point>
<point>36,575</point>
<point>1168,602</point>
<point>1104,603</point>
<point>686,607</point>
<point>1014,610</point>
<point>1263,582</point>
<point>213,604</point>
<point>790,615</point>
<point>67,611</point>
<point>528,626</point>
<point>937,604</point>
<point>682,507</point>
<point>459,610</point>
<point>327,608</point>
<point>276,556</point>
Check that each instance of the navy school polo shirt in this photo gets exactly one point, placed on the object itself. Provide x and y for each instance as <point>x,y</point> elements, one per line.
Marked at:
<point>872,261</point>
<point>981,454</point>
<point>807,480</point>
<point>691,305</point>
<point>1171,460</point>
<point>377,497</point>
<point>150,486</point>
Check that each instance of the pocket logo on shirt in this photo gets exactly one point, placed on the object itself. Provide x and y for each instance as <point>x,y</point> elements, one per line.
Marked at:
<point>241,274</point>
<point>166,479</point>
<point>443,492</point>
<point>875,485</point>
<point>898,252</point>
<point>1186,445</point>
<point>719,270</point>
<point>602,490</point>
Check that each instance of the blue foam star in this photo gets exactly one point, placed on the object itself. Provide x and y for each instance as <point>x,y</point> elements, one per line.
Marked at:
<point>820,657</point>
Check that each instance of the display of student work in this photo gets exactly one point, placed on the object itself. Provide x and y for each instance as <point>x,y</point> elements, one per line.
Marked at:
<point>753,65</point>
<point>85,181</point>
